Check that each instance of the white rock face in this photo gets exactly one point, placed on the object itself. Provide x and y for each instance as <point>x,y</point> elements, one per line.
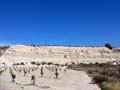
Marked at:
<point>59,54</point>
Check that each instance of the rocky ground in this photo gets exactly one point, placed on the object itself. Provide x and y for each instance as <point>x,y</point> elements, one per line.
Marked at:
<point>70,80</point>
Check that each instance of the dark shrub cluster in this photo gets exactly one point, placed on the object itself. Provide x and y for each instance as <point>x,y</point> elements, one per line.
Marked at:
<point>99,79</point>
<point>104,87</point>
<point>108,46</point>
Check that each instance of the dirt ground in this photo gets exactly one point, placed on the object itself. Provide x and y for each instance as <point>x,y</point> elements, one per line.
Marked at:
<point>70,80</point>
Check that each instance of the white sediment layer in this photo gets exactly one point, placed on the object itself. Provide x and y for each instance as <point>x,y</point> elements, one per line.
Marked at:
<point>59,54</point>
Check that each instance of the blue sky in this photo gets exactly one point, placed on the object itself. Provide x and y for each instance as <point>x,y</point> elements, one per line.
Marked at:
<point>60,22</point>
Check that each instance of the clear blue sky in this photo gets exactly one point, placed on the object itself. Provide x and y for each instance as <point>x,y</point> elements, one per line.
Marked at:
<point>60,22</point>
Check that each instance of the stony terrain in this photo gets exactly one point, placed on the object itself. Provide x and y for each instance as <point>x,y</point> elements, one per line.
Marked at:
<point>25,57</point>
<point>59,54</point>
<point>70,80</point>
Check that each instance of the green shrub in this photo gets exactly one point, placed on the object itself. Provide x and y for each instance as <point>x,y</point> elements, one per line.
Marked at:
<point>99,79</point>
<point>104,87</point>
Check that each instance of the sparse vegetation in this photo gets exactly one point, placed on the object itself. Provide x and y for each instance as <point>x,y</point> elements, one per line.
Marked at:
<point>99,79</point>
<point>107,76</point>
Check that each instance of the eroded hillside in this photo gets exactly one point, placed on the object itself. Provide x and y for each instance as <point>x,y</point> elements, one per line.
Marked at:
<point>59,54</point>
<point>3,49</point>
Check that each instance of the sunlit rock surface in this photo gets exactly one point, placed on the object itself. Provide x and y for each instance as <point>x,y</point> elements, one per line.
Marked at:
<point>59,54</point>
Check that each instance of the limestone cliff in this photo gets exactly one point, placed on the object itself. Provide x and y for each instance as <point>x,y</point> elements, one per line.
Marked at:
<point>60,54</point>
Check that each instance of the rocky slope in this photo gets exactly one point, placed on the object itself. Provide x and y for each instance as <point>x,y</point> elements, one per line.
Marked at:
<point>59,54</point>
<point>3,49</point>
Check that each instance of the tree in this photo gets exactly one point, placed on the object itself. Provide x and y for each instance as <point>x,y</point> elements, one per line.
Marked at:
<point>108,46</point>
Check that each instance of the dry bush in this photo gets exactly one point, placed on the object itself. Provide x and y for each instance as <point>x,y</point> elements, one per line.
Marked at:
<point>99,79</point>
<point>110,86</point>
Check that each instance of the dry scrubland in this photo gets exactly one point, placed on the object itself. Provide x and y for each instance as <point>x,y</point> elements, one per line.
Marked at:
<point>100,63</point>
<point>107,76</point>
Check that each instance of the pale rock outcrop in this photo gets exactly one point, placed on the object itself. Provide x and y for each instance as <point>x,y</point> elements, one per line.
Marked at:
<point>60,54</point>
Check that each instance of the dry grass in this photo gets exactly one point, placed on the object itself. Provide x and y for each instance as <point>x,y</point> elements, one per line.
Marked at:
<point>111,86</point>
<point>109,71</point>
